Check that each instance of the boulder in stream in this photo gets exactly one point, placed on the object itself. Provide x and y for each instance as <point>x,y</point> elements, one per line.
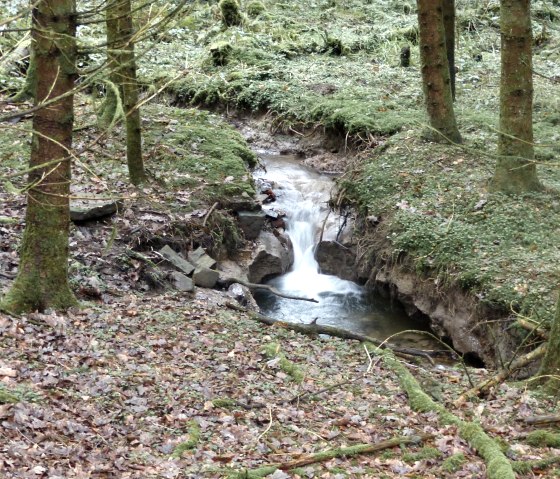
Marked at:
<point>335,258</point>
<point>271,258</point>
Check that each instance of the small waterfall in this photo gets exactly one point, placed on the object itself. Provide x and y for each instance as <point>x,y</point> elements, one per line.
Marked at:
<point>303,194</point>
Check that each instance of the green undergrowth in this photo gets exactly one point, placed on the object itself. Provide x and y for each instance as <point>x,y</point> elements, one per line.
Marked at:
<point>437,212</point>
<point>196,150</point>
<point>336,64</point>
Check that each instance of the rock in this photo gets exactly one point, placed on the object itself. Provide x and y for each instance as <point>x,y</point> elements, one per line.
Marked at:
<point>92,209</point>
<point>334,258</point>
<point>200,258</point>
<point>181,282</point>
<point>230,269</point>
<point>271,258</point>
<point>251,223</point>
<point>244,202</point>
<point>243,296</point>
<point>176,260</point>
<point>205,277</point>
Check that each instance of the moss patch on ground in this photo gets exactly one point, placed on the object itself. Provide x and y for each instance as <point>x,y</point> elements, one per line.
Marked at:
<point>437,212</point>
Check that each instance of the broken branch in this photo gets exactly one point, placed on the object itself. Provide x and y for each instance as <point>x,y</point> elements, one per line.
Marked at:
<point>266,287</point>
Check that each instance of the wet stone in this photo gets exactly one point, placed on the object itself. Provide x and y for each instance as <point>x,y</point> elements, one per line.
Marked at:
<point>251,223</point>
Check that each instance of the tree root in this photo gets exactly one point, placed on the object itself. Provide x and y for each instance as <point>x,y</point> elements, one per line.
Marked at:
<point>331,454</point>
<point>315,329</point>
<point>503,375</point>
<point>498,466</point>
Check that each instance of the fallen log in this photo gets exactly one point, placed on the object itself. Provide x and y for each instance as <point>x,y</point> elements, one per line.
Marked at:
<point>266,287</point>
<point>331,454</point>
<point>538,420</point>
<point>504,374</point>
<point>315,329</point>
<point>497,464</point>
<point>532,327</point>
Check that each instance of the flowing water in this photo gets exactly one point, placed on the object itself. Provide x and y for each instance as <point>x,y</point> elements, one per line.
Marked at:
<point>303,195</point>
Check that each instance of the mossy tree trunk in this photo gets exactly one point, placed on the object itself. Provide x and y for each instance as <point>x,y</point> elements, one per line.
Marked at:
<point>28,90</point>
<point>120,40</point>
<point>449,28</point>
<point>42,280</point>
<point>515,170</point>
<point>435,72</point>
<point>550,367</point>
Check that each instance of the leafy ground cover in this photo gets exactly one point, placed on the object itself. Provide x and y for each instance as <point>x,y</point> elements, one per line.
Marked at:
<point>146,387</point>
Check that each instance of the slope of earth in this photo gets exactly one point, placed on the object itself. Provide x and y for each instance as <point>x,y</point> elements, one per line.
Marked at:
<point>171,387</point>
<point>335,66</point>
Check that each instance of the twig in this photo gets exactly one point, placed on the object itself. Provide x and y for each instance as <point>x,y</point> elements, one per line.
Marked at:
<point>210,211</point>
<point>269,424</point>
<point>268,288</point>
<point>503,375</point>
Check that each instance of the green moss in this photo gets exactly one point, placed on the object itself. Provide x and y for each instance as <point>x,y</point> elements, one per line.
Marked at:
<point>255,8</point>
<point>12,395</point>
<point>225,403</point>
<point>194,438</point>
<point>272,351</point>
<point>426,453</point>
<point>230,13</point>
<point>453,463</point>
<point>202,150</point>
<point>543,438</point>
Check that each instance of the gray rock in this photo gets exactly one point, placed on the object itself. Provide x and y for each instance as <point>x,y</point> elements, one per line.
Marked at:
<point>243,296</point>
<point>205,277</point>
<point>200,258</point>
<point>251,223</point>
<point>181,282</point>
<point>176,260</point>
<point>271,258</point>
<point>92,209</point>
<point>334,258</point>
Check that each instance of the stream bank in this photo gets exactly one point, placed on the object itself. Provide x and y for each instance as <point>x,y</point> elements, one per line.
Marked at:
<point>364,253</point>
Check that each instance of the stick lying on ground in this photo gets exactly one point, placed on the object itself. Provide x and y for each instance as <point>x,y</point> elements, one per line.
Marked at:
<point>315,329</point>
<point>503,375</point>
<point>331,454</point>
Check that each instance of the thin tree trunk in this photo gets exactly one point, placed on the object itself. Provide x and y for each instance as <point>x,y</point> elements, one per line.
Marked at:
<point>42,280</point>
<point>120,33</point>
<point>515,171</point>
<point>449,27</point>
<point>435,72</point>
<point>550,367</point>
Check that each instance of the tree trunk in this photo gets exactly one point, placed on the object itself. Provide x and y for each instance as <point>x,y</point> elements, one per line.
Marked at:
<point>122,61</point>
<point>449,28</point>
<point>515,171</point>
<point>550,367</point>
<point>42,280</point>
<point>435,72</point>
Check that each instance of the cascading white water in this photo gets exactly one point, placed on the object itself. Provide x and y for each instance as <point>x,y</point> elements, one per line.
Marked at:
<point>303,194</point>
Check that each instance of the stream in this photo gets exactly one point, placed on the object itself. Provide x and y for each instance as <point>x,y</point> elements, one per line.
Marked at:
<point>303,194</point>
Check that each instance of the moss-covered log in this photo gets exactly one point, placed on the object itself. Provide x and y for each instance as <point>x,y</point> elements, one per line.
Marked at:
<point>42,280</point>
<point>497,464</point>
<point>550,367</point>
<point>331,454</point>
